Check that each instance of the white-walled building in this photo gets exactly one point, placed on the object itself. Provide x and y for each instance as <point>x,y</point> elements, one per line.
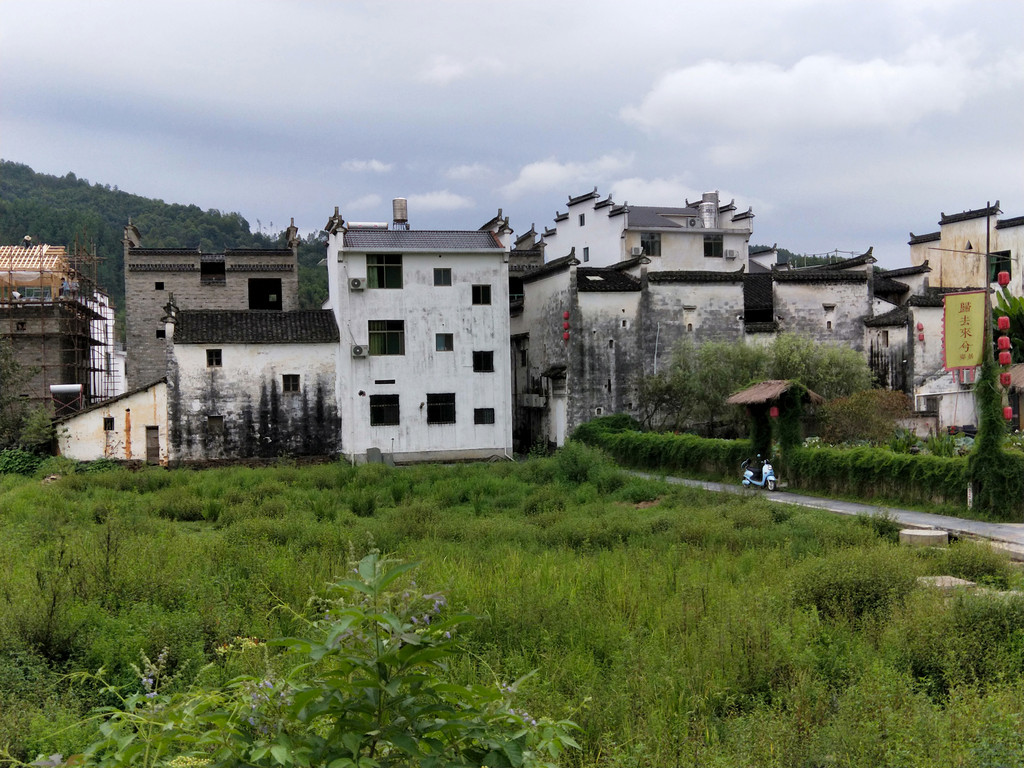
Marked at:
<point>130,427</point>
<point>423,370</point>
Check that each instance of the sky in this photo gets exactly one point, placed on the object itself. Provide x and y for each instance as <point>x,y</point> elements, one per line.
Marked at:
<point>843,125</point>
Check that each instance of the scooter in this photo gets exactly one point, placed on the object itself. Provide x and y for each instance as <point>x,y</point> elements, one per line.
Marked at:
<point>763,479</point>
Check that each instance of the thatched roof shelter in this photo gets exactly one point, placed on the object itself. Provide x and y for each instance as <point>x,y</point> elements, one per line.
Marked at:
<point>767,392</point>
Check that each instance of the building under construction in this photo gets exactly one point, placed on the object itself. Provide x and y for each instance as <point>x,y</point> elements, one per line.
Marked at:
<point>59,325</point>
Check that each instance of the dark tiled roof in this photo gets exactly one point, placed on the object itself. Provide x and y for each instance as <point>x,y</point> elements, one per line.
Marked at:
<point>904,271</point>
<point>855,261</point>
<point>649,217</point>
<point>768,327</point>
<point>757,250</point>
<point>1017,221</point>
<point>561,216</point>
<point>285,252</point>
<point>163,268</point>
<point>604,203</point>
<point>209,326</point>
<point>594,279</point>
<point>399,240</point>
<point>931,237</point>
<point>932,297</point>
<point>553,266</point>
<point>990,210</point>
<point>259,268</point>
<point>814,276</point>
<point>747,214</point>
<point>583,198</point>
<point>694,276</point>
<point>627,263</point>
<point>757,292</point>
<point>163,251</point>
<point>885,285</point>
<point>898,316</point>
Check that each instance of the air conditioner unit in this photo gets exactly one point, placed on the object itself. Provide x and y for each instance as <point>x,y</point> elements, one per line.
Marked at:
<point>360,350</point>
<point>638,250</point>
<point>730,254</point>
<point>356,283</point>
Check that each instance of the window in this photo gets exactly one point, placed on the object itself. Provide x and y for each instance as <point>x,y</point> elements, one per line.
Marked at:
<point>384,271</point>
<point>158,285</point>
<point>483,415</point>
<point>212,271</point>
<point>441,408</point>
<point>481,294</point>
<point>586,254</point>
<point>20,326</point>
<point>583,219</point>
<point>442,275</point>
<point>215,425</point>
<point>998,262</point>
<point>213,358</point>
<point>108,423</point>
<point>713,247</point>
<point>290,382</point>
<point>444,342</point>
<point>161,333</point>
<point>383,410</point>
<point>265,293</point>
<point>387,337</point>
<point>483,362</point>
<point>650,242</point>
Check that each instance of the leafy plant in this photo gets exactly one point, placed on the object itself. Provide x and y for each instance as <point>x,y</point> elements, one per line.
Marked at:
<point>369,686</point>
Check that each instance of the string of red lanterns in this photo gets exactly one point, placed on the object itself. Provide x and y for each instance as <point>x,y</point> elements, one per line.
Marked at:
<point>1004,346</point>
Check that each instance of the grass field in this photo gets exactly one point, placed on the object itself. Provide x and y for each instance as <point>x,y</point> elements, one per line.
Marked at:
<point>675,626</point>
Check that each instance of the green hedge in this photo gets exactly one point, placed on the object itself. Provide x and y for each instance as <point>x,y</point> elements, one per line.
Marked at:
<point>866,472</point>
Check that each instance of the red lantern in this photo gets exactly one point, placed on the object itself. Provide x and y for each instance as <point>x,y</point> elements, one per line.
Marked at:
<point>1003,278</point>
<point>565,315</point>
<point>565,326</point>
<point>1003,323</point>
<point>774,411</point>
<point>920,337</point>
<point>1007,413</point>
<point>920,326</point>
<point>1005,358</point>
<point>1005,379</point>
<point>565,336</point>
<point>1003,342</point>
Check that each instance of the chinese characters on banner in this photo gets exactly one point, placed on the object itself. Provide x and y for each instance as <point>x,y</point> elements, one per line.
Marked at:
<point>963,329</point>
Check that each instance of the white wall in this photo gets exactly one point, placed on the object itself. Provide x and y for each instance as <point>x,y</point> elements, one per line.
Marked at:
<point>83,437</point>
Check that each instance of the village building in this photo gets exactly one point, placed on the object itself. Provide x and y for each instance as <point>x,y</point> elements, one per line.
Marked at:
<point>238,279</point>
<point>129,427</point>
<point>59,324</point>
<point>423,371</point>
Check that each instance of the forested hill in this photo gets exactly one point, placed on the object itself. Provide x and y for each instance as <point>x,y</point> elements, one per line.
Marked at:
<point>60,209</point>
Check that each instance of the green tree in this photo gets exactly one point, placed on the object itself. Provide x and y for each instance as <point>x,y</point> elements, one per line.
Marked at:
<point>12,406</point>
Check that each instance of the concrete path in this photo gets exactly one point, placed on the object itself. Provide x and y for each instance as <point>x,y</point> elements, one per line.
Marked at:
<point>1008,536</point>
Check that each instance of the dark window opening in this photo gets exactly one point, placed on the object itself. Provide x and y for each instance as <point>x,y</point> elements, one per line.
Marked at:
<point>384,271</point>
<point>586,254</point>
<point>383,410</point>
<point>383,381</point>
<point>444,342</point>
<point>387,337</point>
<point>213,358</point>
<point>713,245</point>
<point>442,275</point>
<point>483,415</point>
<point>999,262</point>
<point>212,272</point>
<point>265,293</point>
<point>108,423</point>
<point>20,326</point>
<point>483,362</point>
<point>515,289</point>
<point>215,425</point>
<point>290,382</point>
<point>583,219</point>
<point>650,243</point>
<point>481,294</point>
<point>441,408</point>
<point>159,285</point>
<point>161,333</point>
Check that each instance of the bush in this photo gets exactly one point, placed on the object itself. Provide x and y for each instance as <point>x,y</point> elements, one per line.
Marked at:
<point>16,461</point>
<point>855,583</point>
<point>870,415</point>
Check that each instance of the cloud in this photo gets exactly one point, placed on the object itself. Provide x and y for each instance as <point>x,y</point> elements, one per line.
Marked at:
<point>443,70</point>
<point>366,166</point>
<point>468,172</point>
<point>819,93</point>
<point>550,174</point>
<point>439,201</point>
<point>366,202</point>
